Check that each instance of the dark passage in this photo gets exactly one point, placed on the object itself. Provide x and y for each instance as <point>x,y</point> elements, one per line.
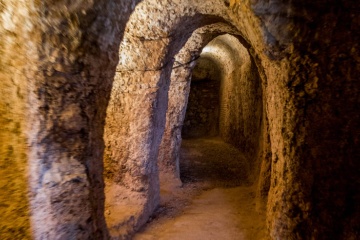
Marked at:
<point>212,161</point>
<point>202,114</point>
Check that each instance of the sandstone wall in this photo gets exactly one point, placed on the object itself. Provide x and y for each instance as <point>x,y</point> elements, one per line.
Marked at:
<point>328,93</point>
<point>168,160</point>
<point>139,101</point>
<point>202,113</point>
<point>14,204</point>
<point>57,67</point>
<point>58,78</point>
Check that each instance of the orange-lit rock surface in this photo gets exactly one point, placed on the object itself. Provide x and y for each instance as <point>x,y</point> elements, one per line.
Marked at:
<point>93,96</point>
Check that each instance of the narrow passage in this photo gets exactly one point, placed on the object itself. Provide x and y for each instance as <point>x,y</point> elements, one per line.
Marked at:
<point>215,202</point>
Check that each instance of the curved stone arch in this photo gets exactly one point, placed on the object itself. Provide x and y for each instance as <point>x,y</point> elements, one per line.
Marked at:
<point>232,56</point>
<point>136,113</point>
<point>259,155</point>
<point>57,66</point>
<point>138,104</point>
<point>139,101</point>
<point>178,93</point>
<point>70,65</point>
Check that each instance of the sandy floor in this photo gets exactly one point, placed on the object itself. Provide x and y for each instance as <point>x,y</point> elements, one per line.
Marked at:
<point>216,201</point>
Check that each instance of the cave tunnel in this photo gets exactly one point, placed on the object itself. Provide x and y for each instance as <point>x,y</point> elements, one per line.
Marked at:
<point>202,112</point>
<point>109,108</point>
<point>225,99</point>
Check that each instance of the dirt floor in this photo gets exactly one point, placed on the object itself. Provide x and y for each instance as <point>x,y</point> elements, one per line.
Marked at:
<point>216,201</point>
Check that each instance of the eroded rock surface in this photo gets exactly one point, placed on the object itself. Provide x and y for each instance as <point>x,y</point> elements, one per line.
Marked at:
<point>94,93</point>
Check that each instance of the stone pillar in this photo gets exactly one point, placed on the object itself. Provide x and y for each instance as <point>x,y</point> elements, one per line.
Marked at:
<point>58,66</point>
<point>169,150</point>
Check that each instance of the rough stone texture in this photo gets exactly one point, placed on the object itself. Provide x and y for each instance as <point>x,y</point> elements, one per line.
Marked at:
<point>205,69</point>
<point>240,97</point>
<point>320,143</point>
<point>202,113</point>
<point>57,67</point>
<point>67,81</point>
<point>139,101</point>
<point>169,150</point>
<point>14,206</point>
<point>308,125</point>
<point>68,96</point>
<point>168,160</point>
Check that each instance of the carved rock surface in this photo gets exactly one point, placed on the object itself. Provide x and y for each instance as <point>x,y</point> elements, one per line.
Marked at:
<point>94,94</point>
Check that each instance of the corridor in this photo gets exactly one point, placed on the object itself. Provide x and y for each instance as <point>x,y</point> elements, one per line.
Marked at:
<point>216,201</point>
<point>96,98</point>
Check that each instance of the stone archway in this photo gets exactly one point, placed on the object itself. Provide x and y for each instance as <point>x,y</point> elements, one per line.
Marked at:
<point>138,105</point>
<point>64,68</point>
<point>178,93</point>
<point>57,67</point>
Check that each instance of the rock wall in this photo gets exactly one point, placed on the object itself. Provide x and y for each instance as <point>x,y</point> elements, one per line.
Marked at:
<point>68,91</point>
<point>202,113</point>
<point>325,87</point>
<point>14,204</point>
<point>205,69</point>
<point>241,98</point>
<point>139,102</point>
<point>60,83</point>
<point>306,200</point>
<point>168,160</point>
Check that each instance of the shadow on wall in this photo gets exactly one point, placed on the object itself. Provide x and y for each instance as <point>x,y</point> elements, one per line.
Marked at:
<point>202,114</point>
